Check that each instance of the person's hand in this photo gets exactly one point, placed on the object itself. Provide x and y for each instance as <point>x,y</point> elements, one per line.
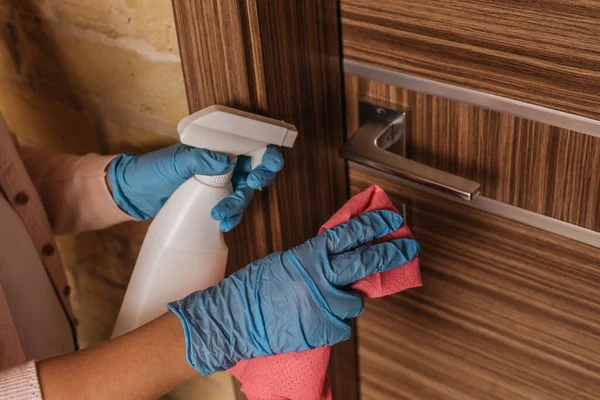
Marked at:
<point>290,301</point>
<point>142,184</point>
<point>245,181</point>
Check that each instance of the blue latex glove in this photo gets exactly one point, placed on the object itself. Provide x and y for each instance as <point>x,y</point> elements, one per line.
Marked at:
<point>142,184</point>
<point>290,301</point>
<point>245,180</point>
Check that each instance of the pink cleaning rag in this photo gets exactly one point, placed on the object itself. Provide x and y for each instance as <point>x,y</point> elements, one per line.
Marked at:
<point>303,376</point>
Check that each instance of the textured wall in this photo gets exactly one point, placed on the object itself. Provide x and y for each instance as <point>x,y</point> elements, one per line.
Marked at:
<point>102,76</point>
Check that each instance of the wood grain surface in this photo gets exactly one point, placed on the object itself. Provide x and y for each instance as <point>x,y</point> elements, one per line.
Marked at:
<point>281,59</point>
<point>541,168</point>
<point>506,311</point>
<point>541,52</point>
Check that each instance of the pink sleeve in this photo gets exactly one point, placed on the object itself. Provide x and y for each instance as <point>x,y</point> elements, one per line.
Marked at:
<point>73,190</point>
<point>20,383</point>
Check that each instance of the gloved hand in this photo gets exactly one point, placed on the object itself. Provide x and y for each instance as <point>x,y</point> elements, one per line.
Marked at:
<point>245,180</point>
<point>142,184</point>
<point>290,301</point>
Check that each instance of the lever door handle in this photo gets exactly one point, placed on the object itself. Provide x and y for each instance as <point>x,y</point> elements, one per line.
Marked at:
<point>380,143</point>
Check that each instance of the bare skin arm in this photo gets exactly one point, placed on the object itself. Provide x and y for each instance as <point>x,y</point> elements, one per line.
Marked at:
<point>143,364</point>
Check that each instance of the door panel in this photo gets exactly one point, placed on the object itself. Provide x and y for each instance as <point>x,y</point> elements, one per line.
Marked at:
<point>531,165</point>
<point>506,311</point>
<point>541,52</point>
<point>230,49</point>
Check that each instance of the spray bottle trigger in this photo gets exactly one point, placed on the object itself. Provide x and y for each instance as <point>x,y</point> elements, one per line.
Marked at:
<point>256,156</point>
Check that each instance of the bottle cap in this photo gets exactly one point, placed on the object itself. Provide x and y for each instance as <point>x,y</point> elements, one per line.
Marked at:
<point>216,180</point>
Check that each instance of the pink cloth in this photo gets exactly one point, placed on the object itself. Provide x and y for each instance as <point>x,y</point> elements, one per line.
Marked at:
<point>303,376</point>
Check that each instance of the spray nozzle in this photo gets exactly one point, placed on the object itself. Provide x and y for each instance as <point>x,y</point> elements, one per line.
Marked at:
<point>234,132</point>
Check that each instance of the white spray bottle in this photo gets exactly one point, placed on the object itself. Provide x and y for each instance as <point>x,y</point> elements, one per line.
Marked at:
<point>184,250</point>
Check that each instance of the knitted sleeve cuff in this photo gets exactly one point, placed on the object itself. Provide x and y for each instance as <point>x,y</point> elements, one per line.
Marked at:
<point>20,383</point>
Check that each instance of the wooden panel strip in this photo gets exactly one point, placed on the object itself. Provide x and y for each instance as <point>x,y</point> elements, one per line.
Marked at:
<point>490,101</point>
<point>540,52</point>
<point>318,185</point>
<point>217,69</point>
<point>505,311</point>
<point>253,49</point>
<point>503,210</point>
<point>211,42</point>
<point>281,59</point>
<point>538,167</point>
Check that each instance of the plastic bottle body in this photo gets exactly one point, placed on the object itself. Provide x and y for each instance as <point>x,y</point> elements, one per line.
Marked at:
<point>184,251</point>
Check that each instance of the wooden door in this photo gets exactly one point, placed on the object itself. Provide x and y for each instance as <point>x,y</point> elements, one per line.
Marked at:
<point>504,94</point>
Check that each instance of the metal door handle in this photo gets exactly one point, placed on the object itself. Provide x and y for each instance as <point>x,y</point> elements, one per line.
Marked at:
<point>380,143</point>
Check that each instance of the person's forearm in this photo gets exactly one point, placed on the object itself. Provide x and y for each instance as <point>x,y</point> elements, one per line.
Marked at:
<point>143,364</point>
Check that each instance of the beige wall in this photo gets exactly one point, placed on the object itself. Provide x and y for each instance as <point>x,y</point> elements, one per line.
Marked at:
<point>102,76</point>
